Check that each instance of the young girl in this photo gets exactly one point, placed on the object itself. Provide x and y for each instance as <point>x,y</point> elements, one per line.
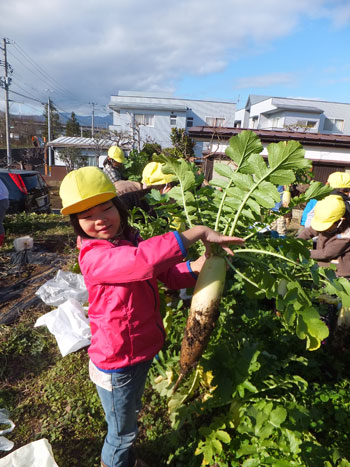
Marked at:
<point>121,272</point>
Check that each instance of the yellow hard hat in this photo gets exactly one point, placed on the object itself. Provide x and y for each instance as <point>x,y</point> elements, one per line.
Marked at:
<point>339,180</point>
<point>116,153</point>
<point>85,188</point>
<point>328,211</point>
<point>152,175</point>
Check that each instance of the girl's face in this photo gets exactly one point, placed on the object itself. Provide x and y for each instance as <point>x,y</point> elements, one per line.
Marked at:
<point>101,221</point>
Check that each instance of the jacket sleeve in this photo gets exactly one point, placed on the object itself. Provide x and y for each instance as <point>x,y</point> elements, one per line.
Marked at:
<point>308,233</point>
<point>179,276</point>
<point>102,262</point>
<point>331,250</point>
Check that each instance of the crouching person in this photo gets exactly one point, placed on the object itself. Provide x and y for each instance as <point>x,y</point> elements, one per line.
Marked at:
<point>331,226</point>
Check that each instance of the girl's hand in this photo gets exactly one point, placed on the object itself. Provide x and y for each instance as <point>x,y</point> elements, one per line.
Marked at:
<point>197,265</point>
<point>222,240</point>
<point>209,236</point>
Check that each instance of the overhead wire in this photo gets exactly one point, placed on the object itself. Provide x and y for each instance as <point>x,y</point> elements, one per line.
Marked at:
<point>49,79</point>
<point>25,62</point>
<point>38,71</point>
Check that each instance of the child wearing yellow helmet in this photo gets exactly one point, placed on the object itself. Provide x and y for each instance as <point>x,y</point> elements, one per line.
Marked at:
<point>331,226</point>
<point>153,176</point>
<point>121,272</point>
<point>113,163</point>
<point>340,181</point>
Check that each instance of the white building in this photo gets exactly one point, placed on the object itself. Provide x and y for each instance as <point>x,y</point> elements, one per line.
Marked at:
<point>281,113</point>
<point>328,153</point>
<point>153,115</point>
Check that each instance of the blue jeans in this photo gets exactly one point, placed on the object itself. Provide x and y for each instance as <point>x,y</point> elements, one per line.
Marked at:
<point>121,407</point>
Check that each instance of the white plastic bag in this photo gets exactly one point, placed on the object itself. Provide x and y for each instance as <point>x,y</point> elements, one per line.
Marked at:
<point>5,444</point>
<point>64,286</point>
<point>70,326</point>
<point>35,454</point>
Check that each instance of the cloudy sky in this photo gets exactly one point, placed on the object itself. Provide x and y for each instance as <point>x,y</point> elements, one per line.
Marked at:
<point>80,52</point>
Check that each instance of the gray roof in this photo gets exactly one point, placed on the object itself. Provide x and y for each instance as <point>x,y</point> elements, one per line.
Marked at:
<point>147,106</point>
<point>76,141</point>
<point>296,108</point>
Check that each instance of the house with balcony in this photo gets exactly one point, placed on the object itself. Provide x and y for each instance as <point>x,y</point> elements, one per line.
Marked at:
<point>149,116</point>
<point>289,114</point>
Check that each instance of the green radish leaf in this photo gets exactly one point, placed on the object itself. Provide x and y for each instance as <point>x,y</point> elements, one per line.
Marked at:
<point>223,436</point>
<point>178,167</point>
<point>235,192</point>
<point>264,199</point>
<point>254,206</point>
<point>218,182</point>
<point>216,445</point>
<point>278,416</point>
<point>243,181</point>
<point>176,193</point>
<point>301,328</point>
<point>294,442</point>
<point>288,155</point>
<point>317,190</point>
<point>224,170</point>
<point>282,177</point>
<point>255,166</point>
<point>242,146</point>
<point>208,453</point>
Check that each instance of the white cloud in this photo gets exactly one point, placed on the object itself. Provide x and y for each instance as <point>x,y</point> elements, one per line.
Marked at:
<point>92,48</point>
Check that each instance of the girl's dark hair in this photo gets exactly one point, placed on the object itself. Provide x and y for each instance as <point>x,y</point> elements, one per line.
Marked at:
<point>124,216</point>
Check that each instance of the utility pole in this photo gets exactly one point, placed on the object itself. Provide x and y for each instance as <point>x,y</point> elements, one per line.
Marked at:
<point>92,118</point>
<point>49,132</point>
<point>5,83</point>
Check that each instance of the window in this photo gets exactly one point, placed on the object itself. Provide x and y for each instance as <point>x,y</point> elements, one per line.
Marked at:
<point>237,124</point>
<point>334,124</point>
<point>254,122</point>
<point>277,122</point>
<point>215,121</point>
<point>172,120</point>
<point>144,119</point>
<point>306,123</point>
<point>189,122</point>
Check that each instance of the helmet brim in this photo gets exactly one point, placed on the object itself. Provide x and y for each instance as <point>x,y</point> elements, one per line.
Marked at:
<point>88,203</point>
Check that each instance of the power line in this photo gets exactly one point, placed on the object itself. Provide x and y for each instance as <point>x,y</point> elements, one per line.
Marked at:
<point>22,95</point>
<point>41,71</point>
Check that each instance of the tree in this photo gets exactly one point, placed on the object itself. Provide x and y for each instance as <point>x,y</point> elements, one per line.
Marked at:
<point>55,124</point>
<point>183,144</point>
<point>72,158</point>
<point>72,126</point>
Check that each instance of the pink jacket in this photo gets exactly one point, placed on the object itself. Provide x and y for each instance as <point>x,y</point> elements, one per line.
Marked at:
<point>121,279</point>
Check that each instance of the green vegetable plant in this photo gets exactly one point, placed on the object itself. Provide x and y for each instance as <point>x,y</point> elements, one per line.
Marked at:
<point>248,191</point>
<point>244,402</point>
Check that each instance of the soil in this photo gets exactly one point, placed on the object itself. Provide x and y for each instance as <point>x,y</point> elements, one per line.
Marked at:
<point>22,273</point>
<point>54,196</point>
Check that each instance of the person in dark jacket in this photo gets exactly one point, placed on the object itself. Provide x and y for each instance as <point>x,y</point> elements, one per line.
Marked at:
<point>331,226</point>
<point>340,182</point>
<point>113,163</point>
